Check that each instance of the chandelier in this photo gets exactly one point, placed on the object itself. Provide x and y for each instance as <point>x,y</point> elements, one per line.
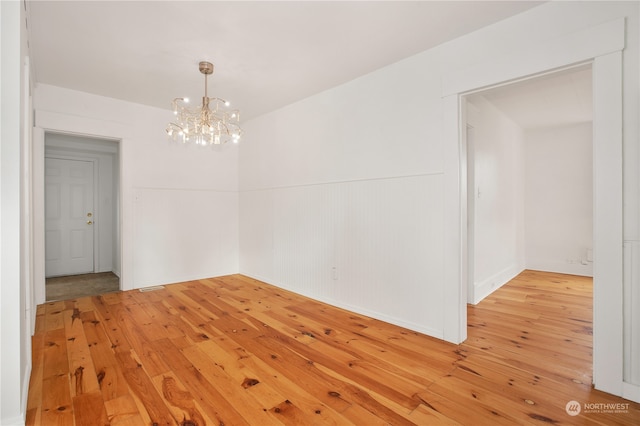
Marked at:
<point>213,123</point>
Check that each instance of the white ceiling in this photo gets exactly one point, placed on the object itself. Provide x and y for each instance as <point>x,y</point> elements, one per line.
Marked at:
<point>267,54</point>
<point>555,99</point>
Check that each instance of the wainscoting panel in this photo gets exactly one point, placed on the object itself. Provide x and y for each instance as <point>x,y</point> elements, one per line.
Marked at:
<point>256,234</point>
<point>372,246</point>
<point>181,235</point>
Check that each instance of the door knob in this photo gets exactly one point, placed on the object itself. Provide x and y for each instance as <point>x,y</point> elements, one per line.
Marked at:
<point>89,222</point>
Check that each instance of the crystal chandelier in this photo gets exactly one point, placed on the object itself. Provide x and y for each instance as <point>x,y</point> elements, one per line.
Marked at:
<point>213,123</point>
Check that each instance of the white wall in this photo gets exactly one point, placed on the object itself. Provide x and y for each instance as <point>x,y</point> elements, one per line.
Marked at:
<point>498,197</point>
<point>179,205</point>
<point>15,349</point>
<point>559,199</point>
<point>351,181</point>
<point>384,126</point>
<point>346,243</point>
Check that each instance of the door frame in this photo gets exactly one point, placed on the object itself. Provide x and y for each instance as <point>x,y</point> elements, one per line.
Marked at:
<point>96,224</point>
<point>602,45</point>
<point>47,121</point>
<point>469,181</point>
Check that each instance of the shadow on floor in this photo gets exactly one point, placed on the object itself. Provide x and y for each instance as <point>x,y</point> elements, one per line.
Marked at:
<point>70,287</point>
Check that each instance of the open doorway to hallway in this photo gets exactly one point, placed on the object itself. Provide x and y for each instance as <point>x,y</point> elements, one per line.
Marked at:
<point>530,188</point>
<point>529,200</point>
<point>82,242</point>
<point>530,179</point>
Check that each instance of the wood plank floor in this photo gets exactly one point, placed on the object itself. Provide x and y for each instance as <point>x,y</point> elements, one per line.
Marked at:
<point>236,351</point>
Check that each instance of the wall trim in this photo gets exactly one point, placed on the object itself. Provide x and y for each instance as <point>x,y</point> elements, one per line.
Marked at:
<point>581,269</point>
<point>381,317</point>
<point>608,282</point>
<point>543,57</point>
<point>356,309</point>
<point>339,182</point>
<point>25,394</point>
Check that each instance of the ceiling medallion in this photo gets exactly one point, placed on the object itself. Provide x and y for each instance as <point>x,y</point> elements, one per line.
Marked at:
<point>213,123</point>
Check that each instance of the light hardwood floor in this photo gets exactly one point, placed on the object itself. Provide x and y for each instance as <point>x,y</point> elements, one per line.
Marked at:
<point>236,351</point>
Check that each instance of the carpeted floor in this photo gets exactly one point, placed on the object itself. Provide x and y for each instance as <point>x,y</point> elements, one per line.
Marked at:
<point>70,287</point>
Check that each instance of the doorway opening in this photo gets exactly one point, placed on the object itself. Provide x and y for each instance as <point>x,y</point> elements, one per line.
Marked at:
<point>602,46</point>
<point>529,156</point>
<point>529,148</point>
<point>81,210</point>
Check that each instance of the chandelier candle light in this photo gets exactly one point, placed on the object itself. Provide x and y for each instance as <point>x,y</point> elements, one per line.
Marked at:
<point>211,124</point>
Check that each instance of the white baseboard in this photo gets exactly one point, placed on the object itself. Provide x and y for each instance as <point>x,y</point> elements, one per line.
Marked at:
<point>356,309</point>
<point>383,317</point>
<point>12,421</point>
<point>631,392</point>
<point>25,390</point>
<point>561,267</point>
<point>18,420</point>
<point>487,286</point>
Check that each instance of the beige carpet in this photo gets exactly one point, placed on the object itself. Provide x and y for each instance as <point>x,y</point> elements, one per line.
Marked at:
<point>70,287</point>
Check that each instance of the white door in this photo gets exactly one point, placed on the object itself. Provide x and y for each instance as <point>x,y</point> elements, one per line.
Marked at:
<point>69,217</point>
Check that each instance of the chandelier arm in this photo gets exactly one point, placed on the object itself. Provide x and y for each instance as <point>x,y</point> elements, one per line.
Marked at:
<point>177,126</point>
